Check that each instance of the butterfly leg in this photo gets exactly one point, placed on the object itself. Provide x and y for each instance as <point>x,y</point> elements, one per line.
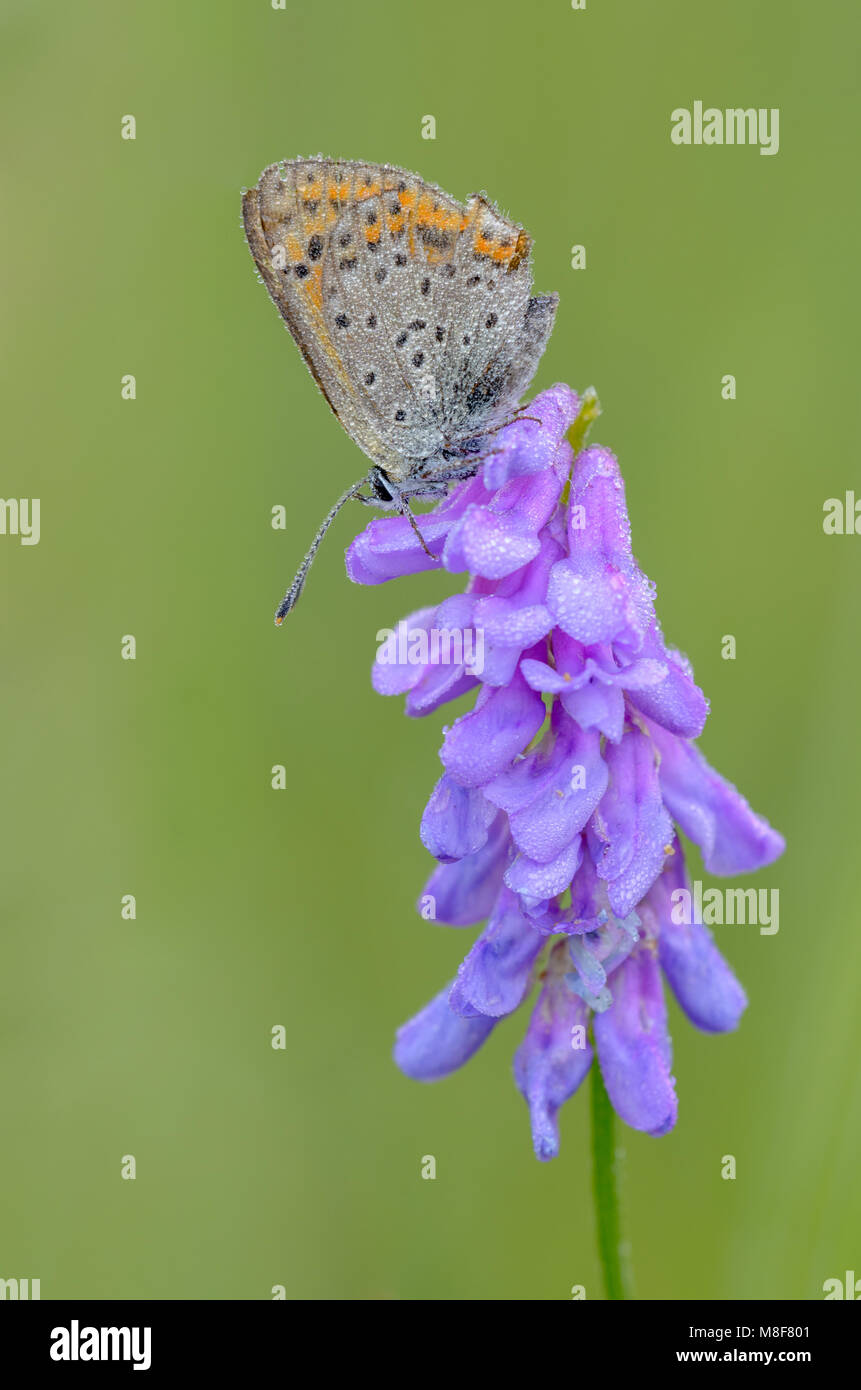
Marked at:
<point>405,510</point>
<point>389,494</point>
<point>458,471</point>
<point>494,429</point>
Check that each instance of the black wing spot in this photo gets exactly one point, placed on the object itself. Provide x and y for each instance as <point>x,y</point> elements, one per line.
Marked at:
<point>342,321</point>
<point>300,271</point>
<point>435,238</point>
<point>483,393</point>
<point>315,248</point>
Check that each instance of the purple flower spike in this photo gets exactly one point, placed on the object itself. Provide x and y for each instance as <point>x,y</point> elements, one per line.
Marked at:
<point>555,819</point>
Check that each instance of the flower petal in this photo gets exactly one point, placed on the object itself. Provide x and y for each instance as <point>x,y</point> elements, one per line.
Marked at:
<point>599,707</point>
<point>634,1049</point>
<point>630,832</point>
<point>437,1041</point>
<point>393,673</point>
<point>700,978</point>
<point>464,892</point>
<point>591,607</point>
<point>456,821</point>
<point>486,543</point>
<point>537,880</point>
<point>577,781</point>
<point>438,685</point>
<point>554,1056</point>
<point>598,594</point>
<point>479,745</point>
<point>529,446</point>
<point>496,974</point>
<point>676,702</point>
<point>711,811</point>
<point>389,547</point>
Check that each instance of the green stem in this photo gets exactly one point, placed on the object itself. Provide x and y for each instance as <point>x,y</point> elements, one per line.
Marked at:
<point>605,1186</point>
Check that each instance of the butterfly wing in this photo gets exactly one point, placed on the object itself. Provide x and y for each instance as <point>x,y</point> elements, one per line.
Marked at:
<point>384,290</point>
<point>494,342</point>
<point>288,219</point>
<point>411,310</point>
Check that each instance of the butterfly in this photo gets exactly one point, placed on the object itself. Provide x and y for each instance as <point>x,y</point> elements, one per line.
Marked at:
<point>412,311</point>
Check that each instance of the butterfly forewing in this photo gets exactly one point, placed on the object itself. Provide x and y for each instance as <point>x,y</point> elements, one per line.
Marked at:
<point>379,313</point>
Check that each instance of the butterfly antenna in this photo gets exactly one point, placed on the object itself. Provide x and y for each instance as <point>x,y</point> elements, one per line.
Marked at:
<point>292,595</point>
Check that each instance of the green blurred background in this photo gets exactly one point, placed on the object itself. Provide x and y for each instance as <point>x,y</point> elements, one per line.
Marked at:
<point>301,1167</point>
